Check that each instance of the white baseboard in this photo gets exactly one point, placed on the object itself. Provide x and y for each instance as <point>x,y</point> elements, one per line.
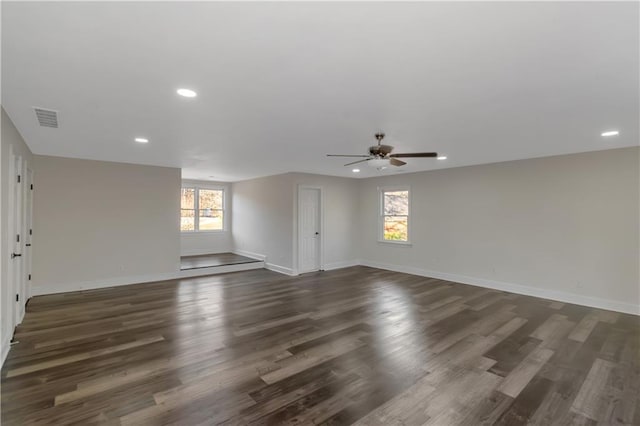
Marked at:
<point>291,271</point>
<point>223,269</point>
<point>561,296</point>
<point>270,266</point>
<point>249,254</point>
<point>200,252</point>
<point>54,288</point>
<point>138,279</point>
<point>281,269</point>
<point>594,302</point>
<point>342,264</point>
<point>4,350</point>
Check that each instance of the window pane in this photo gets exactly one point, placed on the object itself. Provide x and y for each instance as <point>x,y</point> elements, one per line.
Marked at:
<point>395,228</point>
<point>187,220</point>
<point>210,220</point>
<point>187,198</point>
<point>210,199</point>
<point>396,203</point>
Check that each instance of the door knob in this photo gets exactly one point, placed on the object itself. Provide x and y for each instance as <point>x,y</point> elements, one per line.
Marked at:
<point>317,233</point>
<point>15,255</point>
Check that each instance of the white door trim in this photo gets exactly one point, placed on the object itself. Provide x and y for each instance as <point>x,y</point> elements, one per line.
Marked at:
<point>28,228</point>
<point>9,304</point>
<point>299,227</point>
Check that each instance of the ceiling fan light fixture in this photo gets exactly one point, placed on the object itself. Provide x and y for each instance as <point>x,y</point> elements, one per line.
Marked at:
<point>378,163</point>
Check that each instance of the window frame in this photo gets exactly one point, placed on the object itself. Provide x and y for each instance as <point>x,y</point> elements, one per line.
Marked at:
<point>196,204</point>
<point>381,191</point>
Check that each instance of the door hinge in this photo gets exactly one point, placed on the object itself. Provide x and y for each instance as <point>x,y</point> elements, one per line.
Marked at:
<point>29,277</point>
<point>30,231</point>
<point>31,187</point>
<point>18,178</point>
<point>17,297</point>
<point>17,238</point>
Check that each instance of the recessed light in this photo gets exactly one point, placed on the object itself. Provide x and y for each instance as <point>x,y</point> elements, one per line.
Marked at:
<point>610,133</point>
<point>141,140</point>
<point>356,170</point>
<point>187,93</point>
<point>442,157</point>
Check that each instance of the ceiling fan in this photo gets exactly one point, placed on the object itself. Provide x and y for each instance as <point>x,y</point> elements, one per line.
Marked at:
<point>380,156</point>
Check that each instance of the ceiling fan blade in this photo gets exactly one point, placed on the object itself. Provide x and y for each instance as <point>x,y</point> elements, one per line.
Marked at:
<point>356,162</point>
<point>415,155</point>
<point>396,162</point>
<point>345,155</point>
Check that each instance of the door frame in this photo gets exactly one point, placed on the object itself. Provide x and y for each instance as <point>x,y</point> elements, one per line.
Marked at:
<point>9,304</point>
<point>299,227</point>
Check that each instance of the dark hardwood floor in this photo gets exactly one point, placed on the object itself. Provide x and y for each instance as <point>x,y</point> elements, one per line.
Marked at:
<point>357,345</point>
<point>209,260</point>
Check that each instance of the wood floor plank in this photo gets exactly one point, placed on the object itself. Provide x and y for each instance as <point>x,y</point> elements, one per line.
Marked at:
<point>481,327</point>
<point>451,407</point>
<point>523,373</point>
<point>313,357</point>
<point>584,328</point>
<point>546,329</point>
<point>526,403</point>
<point>487,411</point>
<point>567,370</point>
<point>270,324</point>
<point>81,356</point>
<point>594,397</point>
<point>406,405</point>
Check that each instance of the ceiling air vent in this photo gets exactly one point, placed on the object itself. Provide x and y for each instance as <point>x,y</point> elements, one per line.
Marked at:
<point>47,117</point>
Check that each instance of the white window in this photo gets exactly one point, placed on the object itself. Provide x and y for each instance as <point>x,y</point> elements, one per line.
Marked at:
<point>394,215</point>
<point>201,209</point>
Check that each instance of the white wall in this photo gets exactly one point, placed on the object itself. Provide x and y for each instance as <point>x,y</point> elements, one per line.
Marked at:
<point>565,226</point>
<point>99,223</point>
<point>262,217</point>
<point>194,243</point>
<point>10,138</point>
<point>340,218</point>
<point>265,219</point>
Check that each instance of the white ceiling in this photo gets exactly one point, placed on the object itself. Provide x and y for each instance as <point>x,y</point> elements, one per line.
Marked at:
<point>282,84</point>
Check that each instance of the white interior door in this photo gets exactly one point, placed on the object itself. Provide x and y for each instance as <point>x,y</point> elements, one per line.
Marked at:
<point>16,241</point>
<point>309,228</point>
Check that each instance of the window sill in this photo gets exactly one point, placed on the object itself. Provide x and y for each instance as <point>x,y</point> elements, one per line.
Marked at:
<point>202,232</point>
<point>396,243</point>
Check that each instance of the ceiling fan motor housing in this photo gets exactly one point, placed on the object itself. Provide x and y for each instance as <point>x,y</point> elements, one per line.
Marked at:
<point>380,150</point>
